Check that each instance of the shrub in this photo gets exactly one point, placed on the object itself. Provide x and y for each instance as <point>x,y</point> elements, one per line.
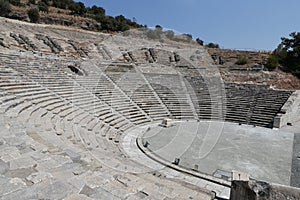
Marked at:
<point>15,2</point>
<point>61,3</point>
<point>159,27</point>
<point>212,45</point>
<point>47,2</point>
<point>153,34</point>
<point>199,41</point>
<point>190,36</point>
<point>242,60</point>
<point>95,10</point>
<point>34,15</point>
<point>43,6</point>
<point>77,8</point>
<point>32,2</point>
<point>4,7</point>
<point>169,34</point>
<point>272,62</point>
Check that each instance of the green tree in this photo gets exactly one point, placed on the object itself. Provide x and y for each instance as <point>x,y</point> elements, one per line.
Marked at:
<point>212,45</point>
<point>62,4</point>
<point>272,62</point>
<point>31,2</point>
<point>291,59</point>
<point>95,10</point>
<point>277,57</point>
<point>77,8</point>
<point>158,27</point>
<point>199,41</point>
<point>107,23</point>
<point>287,55</point>
<point>4,8</point>
<point>15,2</point>
<point>47,2</point>
<point>34,15</point>
<point>43,6</point>
<point>188,37</point>
<point>121,23</point>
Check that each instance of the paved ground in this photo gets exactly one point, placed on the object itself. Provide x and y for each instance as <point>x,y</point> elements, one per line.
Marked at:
<point>129,144</point>
<point>217,148</point>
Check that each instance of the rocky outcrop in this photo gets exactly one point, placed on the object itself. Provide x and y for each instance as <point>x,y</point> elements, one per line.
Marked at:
<point>19,15</point>
<point>58,20</point>
<point>54,46</point>
<point>258,190</point>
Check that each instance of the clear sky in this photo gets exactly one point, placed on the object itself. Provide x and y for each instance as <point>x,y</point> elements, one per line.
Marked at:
<point>234,24</point>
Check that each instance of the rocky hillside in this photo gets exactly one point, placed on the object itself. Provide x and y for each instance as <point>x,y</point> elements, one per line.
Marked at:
<point>232,58</point>
<point>66,13</point>
<point>252,69</point>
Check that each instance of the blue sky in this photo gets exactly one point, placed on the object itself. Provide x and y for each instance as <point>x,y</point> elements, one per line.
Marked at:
<point>234,24</point>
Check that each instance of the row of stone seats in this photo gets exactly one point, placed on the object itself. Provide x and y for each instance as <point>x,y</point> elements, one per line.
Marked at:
<point>65,90</point>
<point>108,86</point>
<point>206,94</point>
<point>37,111</point>
<point>71,174</point>
<point>200,96</point>
<point>246,104</point>
<point>104,52</point>
<point>80,135</point>
<point>170,90</point>
<point>55,102</point>
<point>64,110</point>
<point>262,103</point>
<point>243,103</point>
<point>136,87</point>
<point>108,91</point>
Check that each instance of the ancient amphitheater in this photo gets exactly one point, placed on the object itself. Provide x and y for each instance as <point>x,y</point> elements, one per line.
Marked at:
<point>81,113</point>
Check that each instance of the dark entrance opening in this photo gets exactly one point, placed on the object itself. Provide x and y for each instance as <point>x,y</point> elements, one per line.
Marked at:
<point>75,70</point>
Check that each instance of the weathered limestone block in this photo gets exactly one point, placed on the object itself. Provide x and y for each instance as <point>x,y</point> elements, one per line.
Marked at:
<point>258,190</point>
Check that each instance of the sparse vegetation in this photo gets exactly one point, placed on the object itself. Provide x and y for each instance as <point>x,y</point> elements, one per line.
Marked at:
<point>169,34</point>
<point>153,34</point>
<point>108,23</point>
<point>91,18</point>
<point>242,60</point>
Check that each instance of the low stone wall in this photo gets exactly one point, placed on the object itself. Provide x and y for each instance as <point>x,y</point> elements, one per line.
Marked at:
<point>257,190</point>
<point>290,112</point>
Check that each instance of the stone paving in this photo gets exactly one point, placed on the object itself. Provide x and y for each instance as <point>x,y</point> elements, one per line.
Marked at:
<point>217,148</point>
<point>36,166</point>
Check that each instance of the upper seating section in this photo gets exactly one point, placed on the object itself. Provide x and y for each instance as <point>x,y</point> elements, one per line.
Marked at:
<point>125,85</point>
<point>253,104</point>
<point>140,96</point>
